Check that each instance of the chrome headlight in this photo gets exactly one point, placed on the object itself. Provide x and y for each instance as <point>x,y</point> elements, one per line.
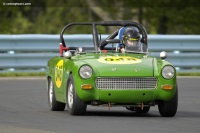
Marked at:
<point>168,72</point>
<point>85,72</point>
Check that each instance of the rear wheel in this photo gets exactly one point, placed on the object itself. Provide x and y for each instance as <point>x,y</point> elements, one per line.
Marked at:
<point>53,104</point>
<point>74,104</point>
<point>169,108</point>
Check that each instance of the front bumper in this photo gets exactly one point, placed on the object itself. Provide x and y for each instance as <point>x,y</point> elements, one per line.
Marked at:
<point>126,96</point>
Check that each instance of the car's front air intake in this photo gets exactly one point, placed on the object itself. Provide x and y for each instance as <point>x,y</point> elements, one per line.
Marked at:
<point>119,83</point>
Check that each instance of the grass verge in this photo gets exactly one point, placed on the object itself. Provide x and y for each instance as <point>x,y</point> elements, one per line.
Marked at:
<point>22,74</point>
<point>29,74</point>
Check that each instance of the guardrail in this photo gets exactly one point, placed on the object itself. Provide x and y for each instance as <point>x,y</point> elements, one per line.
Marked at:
<point>30,53</point>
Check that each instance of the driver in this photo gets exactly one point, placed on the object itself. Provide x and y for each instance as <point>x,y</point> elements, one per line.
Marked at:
<point>130,40</point>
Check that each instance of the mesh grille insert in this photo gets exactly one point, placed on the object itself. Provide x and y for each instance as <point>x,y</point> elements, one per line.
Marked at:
<point>126,83</point>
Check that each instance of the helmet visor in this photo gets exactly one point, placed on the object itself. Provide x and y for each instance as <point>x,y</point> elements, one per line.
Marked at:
<point>132,41</point>
<point>132,44</point>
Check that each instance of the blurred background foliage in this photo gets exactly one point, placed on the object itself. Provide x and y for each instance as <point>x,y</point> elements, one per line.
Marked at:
<point>50,16</point>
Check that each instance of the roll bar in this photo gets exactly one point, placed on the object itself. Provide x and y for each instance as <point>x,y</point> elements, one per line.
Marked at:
<point>106,23</point>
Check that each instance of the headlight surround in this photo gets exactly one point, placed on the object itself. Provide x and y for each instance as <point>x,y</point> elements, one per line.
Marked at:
<point>168,72</point>
<point>85,72</point>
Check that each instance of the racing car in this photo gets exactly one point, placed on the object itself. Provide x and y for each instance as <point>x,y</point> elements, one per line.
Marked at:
<point>111,75</point>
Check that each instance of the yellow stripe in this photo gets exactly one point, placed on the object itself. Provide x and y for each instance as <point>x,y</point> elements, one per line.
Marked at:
<point>133,39</point>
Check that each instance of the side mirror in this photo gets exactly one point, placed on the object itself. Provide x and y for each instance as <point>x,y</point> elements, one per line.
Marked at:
<point>163,55</point>
<point>112,41</point>
<point>67,54</point>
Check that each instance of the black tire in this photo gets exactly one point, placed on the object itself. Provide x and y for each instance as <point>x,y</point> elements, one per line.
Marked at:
<point>145,109</point>
<point>53,104</point>
<point>74,104</point>
<point>169,108</point>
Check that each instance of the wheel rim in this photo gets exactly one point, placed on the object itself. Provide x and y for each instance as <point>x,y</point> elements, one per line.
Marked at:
<point>70,95</point>
<point>50,93</point>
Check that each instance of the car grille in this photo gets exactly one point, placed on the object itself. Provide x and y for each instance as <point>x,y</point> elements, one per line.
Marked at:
<point>105,83</point>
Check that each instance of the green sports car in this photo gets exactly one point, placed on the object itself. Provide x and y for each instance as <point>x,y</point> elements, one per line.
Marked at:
<point>111,73</point>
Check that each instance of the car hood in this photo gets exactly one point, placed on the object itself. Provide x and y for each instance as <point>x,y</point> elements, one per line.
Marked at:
<point>120,65</point>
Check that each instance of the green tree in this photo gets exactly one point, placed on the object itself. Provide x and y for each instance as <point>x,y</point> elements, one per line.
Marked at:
<point>49,17</point>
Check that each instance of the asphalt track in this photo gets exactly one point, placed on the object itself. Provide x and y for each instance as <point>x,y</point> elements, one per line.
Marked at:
<point>24,109</point>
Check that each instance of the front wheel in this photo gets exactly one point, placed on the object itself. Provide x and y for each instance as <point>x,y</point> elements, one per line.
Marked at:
<point>169,108</point>
<point>74,104</point>
<point>53,104</point>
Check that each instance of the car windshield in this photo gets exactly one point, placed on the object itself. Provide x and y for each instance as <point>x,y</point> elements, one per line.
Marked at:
<point>137,48</point>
